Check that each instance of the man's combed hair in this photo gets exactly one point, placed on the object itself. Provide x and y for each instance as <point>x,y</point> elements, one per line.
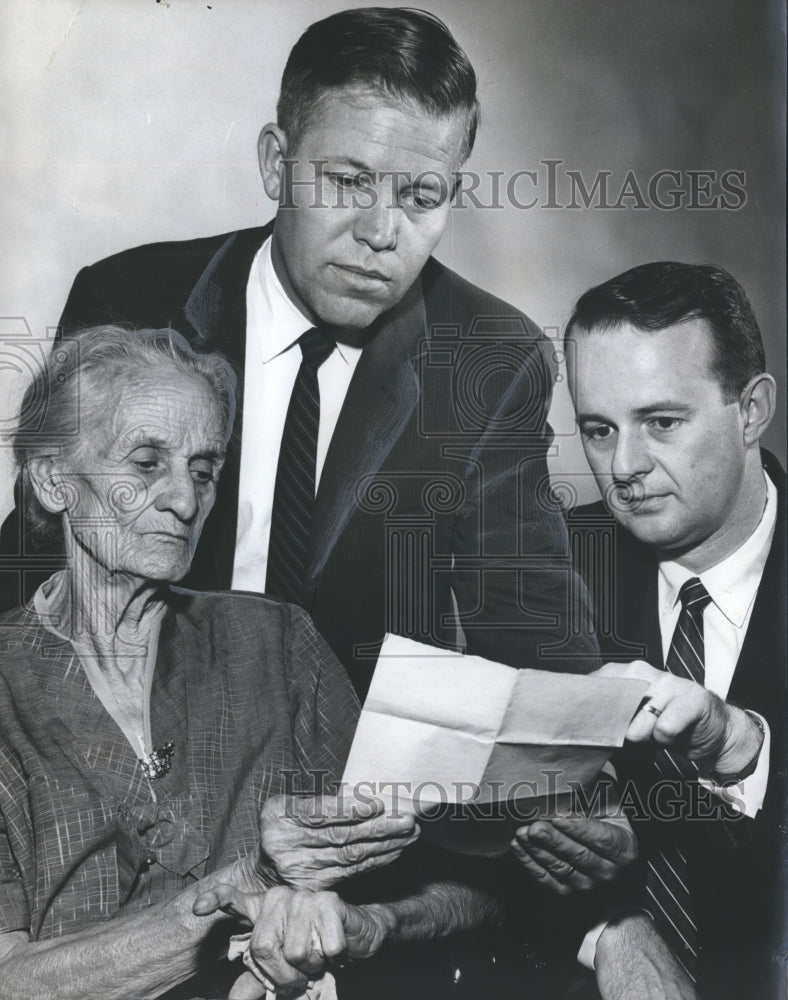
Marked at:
<point>401,53</point>
<point>664,293</point>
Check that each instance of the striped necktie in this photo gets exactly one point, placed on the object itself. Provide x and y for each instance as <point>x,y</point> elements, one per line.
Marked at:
<point>294,491</point>
<point>670,902</point>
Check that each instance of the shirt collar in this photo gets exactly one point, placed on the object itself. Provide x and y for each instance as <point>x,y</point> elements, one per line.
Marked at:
<point>733,583</point>
<point>281,321</point>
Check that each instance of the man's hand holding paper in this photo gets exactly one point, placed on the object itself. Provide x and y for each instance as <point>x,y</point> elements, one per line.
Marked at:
<point>722,739</point>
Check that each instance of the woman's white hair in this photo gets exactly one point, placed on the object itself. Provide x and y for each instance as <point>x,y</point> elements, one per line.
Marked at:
<point>81,377</point>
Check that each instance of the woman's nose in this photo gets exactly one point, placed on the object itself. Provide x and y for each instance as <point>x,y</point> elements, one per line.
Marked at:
<point>179,495</point>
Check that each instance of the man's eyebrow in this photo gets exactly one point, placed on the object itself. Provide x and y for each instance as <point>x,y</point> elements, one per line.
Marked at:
<point>663,406</point>
<point>338,163</point>
<point>598,418</point>
<point>347,161</point>
<point>212,454</point>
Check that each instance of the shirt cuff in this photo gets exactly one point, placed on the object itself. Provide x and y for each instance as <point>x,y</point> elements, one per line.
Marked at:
<point>609,770</point>
<point>746,796</point>
<point>587,954</point>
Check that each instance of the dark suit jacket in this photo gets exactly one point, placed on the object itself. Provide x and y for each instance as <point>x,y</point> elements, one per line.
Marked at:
<point>738,867</point>
<point>435,481</point>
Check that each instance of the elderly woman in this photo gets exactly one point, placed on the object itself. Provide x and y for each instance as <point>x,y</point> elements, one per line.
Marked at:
<point>143,727</point>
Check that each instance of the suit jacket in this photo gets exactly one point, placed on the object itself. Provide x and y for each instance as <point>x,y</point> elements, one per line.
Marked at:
<point>738,867</point>
<point>435,485</point>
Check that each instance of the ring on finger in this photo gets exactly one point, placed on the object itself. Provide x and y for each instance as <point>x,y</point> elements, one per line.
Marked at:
<point>651,708</point>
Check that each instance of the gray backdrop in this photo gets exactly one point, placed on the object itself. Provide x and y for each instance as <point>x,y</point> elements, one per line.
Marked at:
<point>127,121</point>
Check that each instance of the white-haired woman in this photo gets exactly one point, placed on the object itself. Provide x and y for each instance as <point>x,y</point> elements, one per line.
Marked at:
<point>142,727</point>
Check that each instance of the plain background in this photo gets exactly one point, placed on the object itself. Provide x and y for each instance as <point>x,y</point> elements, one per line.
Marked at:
<point>130,121</point>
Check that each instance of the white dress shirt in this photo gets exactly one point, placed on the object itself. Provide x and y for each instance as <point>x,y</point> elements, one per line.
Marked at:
<point>273,357</point>
<point>732,585</point>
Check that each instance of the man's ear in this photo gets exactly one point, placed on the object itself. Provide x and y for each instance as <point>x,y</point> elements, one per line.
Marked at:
<point>271,151</point>
<point>47,483</point>
<point>757,402</point>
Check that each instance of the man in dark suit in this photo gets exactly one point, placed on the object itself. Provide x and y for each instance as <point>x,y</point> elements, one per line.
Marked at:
<point>686,561</point>
<point>432,516</point>
<point>422,504</point>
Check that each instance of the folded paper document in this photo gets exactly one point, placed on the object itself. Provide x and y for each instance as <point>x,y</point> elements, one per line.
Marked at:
<point>444,729</point>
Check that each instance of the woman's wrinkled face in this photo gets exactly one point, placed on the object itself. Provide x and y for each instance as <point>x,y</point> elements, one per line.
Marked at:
<point>143,478</point>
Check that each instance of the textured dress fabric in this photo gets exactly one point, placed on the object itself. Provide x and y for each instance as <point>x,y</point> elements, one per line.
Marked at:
<point>254,703</point>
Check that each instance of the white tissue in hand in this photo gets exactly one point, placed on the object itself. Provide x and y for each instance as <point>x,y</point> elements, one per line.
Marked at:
<point>324,988</point>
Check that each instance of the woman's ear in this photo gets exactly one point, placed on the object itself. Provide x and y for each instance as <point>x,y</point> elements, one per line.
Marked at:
<point>271,152</point>
<point>48,483</point>
<point>757,402</point>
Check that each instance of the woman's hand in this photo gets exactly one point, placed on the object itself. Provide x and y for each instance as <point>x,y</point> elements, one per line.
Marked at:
<point>297,933</point>
<point>313,843</point>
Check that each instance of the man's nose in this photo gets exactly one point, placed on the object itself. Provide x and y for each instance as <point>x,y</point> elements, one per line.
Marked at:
<point>631,457</point>
<point>377,225</point>
<point>179,495</point>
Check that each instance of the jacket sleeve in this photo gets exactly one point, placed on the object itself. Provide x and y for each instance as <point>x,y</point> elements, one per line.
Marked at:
<point>519,600</point>
<point>325,706</point>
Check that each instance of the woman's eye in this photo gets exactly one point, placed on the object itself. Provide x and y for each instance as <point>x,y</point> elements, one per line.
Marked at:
<point>145,459</point>
<point>203,473</point>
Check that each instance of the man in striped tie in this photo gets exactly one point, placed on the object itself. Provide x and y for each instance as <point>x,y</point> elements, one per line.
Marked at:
<point>672,399</point>
<point>387,471</point>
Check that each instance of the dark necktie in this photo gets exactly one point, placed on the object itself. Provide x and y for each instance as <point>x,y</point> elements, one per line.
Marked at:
<point>294,491</point>
<point>670,902</point>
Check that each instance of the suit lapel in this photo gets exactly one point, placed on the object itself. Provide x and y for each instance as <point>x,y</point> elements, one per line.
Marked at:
<point>382,395</point>
<point>755,682</point>
<point>215,313</point>
<point>216,307</point>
